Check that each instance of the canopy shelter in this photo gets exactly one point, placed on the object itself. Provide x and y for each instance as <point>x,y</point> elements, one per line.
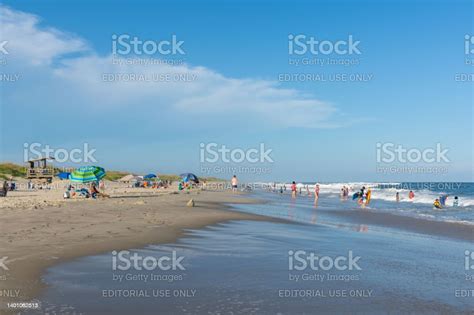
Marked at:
<point>64,175</point>
<point>128,178</point>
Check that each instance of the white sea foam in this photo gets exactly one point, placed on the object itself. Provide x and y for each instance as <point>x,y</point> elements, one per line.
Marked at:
<point>422,196</point>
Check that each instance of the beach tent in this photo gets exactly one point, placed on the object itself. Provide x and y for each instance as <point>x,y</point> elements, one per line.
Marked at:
<point>149,176</point>
<point>64,175</point>
<point>189,177</point>
<point>87,174</point>
<point>128,178</point>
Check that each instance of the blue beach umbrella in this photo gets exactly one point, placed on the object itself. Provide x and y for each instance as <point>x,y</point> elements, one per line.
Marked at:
<point>189,177</point>
<point>149,176</point>
<point>87,174</point>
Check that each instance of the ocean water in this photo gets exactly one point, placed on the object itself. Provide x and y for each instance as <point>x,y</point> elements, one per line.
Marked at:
<point>383,198</point>
<point>243,267</point>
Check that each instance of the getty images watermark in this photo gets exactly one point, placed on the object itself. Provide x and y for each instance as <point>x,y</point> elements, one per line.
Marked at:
<point>4,52</point>
<point>468,60</point>
<point>130,50</point>
<point>37,150</point>
<point>397,158</point>
<point>309,266</point>
<point>133,267</point>
<point>220,159</point>
<point>469,276</point>
<point>309,50</point>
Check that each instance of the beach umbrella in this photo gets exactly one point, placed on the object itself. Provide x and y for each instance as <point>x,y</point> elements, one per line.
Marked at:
<point>189,177</point>
<point>87,174</point>
<point>64,175</point>
<point>149,176</point>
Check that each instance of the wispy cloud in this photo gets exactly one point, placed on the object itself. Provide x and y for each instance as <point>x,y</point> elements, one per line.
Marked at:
<point>72,72</point>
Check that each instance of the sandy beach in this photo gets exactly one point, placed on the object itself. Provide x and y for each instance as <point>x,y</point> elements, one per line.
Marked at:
<point>42,230</point>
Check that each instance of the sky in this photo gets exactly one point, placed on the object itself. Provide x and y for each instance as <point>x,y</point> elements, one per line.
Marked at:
<point>403,87</point>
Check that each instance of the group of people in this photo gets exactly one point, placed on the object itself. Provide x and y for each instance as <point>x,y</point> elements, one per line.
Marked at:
<point>362,196</point>
<point>294,190</point>
<point>93,191</point>
<point>152,184</point>
<point>344,192</point>
<point>440,202</point>
<point>411,196</point>
<point>6,187</point>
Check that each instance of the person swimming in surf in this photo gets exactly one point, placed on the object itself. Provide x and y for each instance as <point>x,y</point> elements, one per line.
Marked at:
<point>411,194</point>
<point>456,201</point>
<point>437,204</point>
<point>397,196</point>
<point>442,200</point>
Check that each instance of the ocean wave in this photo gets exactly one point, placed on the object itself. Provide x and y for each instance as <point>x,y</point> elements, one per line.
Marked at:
<point>383,191</point>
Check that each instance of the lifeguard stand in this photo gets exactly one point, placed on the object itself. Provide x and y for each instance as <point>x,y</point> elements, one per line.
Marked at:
<point>38,169</point>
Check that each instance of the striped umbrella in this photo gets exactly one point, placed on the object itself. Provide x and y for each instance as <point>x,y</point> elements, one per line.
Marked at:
<point>87,174</point>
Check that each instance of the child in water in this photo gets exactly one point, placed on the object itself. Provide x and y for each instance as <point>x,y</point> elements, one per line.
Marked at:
<point>456,201</point>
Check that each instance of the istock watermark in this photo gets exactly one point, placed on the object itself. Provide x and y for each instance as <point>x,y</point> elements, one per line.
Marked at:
<point>469,45</point>
<point>3,263</point>
<point>430,160</point>
<point>467,77</point>
<point>125,260</point>
<point>125,44</point>
<point>213,152</point>
<point>220,159</point>
<point>3,47</point>
<point>304,266</point>
<point>301,260</point>
<point>301,44</point>
<point>390,152</point>
<point>37,150</point>
<point>468,260</point>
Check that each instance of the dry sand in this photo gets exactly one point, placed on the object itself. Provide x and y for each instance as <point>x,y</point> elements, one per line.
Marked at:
<point>39,229</point>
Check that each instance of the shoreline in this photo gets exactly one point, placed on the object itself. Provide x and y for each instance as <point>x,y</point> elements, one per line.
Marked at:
<point>44,237</point>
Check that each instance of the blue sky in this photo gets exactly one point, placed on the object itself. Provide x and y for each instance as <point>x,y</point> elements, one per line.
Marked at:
<point>318,131</point>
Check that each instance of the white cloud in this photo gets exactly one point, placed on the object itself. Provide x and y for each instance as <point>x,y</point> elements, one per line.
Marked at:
<point>33,44</point>
<point>210,96</point>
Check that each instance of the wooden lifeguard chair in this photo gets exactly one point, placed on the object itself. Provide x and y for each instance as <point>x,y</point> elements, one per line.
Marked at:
<point>38,169</point>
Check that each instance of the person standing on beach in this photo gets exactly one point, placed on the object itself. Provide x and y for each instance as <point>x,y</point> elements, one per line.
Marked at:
<point>293,190</point>
<point>4,189</point>
<point>235,183</point>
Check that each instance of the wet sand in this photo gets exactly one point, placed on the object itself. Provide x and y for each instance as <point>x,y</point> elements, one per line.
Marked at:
<point>429,227</point>
<point>36,238</point>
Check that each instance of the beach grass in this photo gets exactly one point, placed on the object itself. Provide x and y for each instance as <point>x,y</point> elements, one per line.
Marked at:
<point>8,170</point>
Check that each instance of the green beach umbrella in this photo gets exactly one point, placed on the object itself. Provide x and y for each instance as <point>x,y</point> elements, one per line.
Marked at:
<point>87,174</point>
